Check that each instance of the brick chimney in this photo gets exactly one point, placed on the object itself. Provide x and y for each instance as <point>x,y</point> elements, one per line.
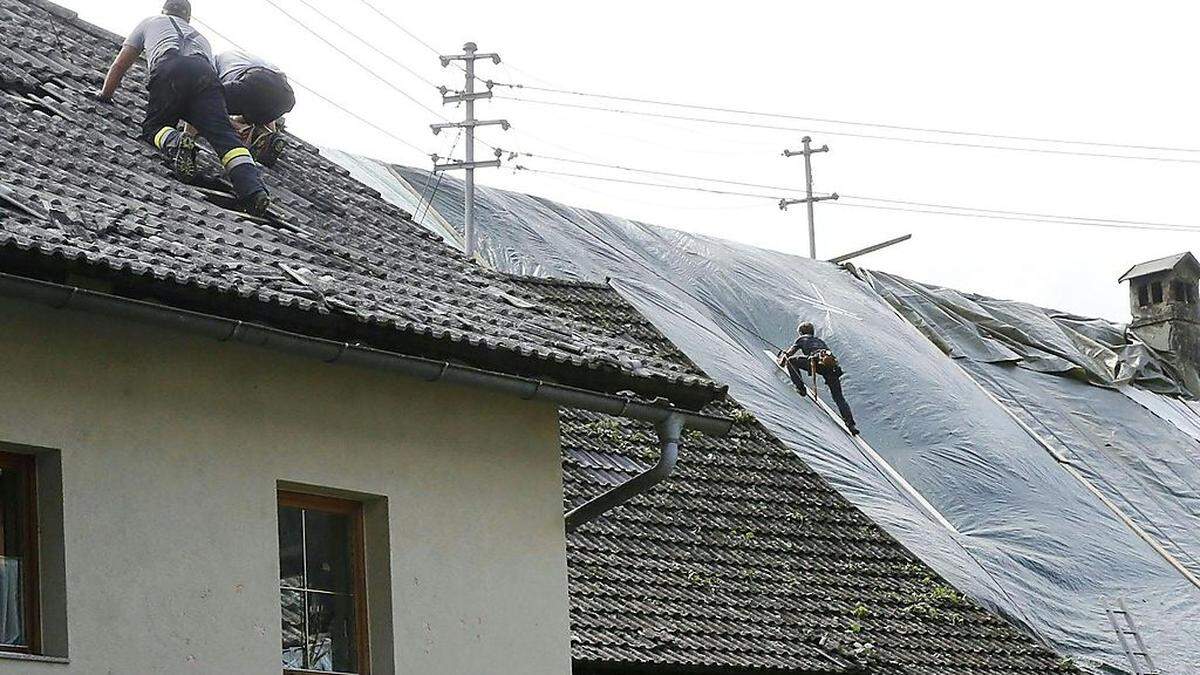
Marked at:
<point>1165,302</point>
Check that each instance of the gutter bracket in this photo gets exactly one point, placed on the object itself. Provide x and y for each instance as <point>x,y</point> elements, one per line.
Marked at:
<point>669,432</point>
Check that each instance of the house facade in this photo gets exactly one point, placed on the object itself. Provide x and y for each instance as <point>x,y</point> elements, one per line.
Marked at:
<point>169,470</point>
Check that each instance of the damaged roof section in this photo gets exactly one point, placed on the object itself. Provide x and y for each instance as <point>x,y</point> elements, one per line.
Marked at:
<point>965,325</point>
<point>334,260</point>
<point>745,560</point>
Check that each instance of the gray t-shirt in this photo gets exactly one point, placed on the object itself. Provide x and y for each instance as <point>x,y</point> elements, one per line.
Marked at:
<point>232,64</point>
<point>160,34</point>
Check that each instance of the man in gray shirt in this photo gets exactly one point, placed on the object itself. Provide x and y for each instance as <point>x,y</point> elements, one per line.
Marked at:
<point>257,94</point>
<point>184,85</point>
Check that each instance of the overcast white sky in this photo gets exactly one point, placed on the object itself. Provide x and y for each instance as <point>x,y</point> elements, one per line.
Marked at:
<point>1096,71</point>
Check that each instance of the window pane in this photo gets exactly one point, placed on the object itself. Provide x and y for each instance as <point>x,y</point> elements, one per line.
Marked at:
<point>1156,292</point>
<point>1143,295</point>
<point>293,628</point>
<point>291,548</point>
<point>13,522</point>
<point>327,539</point>
<point>332,631</point>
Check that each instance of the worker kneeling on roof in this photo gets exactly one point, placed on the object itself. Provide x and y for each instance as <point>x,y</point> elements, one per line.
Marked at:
<point>257,95</point>
<point>184,85</point>
<point>811,355</point>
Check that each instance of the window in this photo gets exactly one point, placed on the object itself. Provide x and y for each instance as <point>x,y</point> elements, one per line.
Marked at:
<point>1178,291</point>
<point>1143,295</point>
<point>1156,292</point>
<point>18,554</point>
<point>322,585</point>
<point>1191,294</point>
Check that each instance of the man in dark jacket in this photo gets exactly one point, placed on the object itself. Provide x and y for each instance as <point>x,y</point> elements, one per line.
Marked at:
<point>184,85</point>
<point>257,95</point>
<point>809,354</point>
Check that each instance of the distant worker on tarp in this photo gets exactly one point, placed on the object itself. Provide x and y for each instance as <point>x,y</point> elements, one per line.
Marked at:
<point>183,85</point>
<point>811,355</point>
<point>257,95</point>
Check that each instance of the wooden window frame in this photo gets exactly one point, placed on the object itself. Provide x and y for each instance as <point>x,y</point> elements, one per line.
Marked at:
<point>358,569</point>
<point>32,627</point>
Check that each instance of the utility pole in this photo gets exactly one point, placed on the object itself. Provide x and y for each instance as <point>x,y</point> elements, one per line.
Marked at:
<point>808,152</point>
<point>468,96</point>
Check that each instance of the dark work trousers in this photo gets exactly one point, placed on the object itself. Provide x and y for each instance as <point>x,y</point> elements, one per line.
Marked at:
<point>798,366</point>
<point>260,96</point>
<point>186,87</point>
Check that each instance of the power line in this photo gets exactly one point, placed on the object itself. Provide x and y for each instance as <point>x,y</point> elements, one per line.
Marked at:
<point>623,181</point>
<point>1054,220</point>
<point>368,45</point>
<point>438,184</point>
<point>324,98</point>
<point>848,134</point>
<point>674,206</point>
<point>1019,213</point>
<point>402,29</point>
<point>904,206</point>
<point>651,172</point>
<point>356,62</point>
<point>827,120</point>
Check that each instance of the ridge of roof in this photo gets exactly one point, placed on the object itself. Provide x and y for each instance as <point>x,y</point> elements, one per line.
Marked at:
<point>336,260</point>
<point>1160,265</point>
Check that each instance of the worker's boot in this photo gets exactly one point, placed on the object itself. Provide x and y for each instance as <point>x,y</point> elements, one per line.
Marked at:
<point>183,163</point>
<point>850,425</point>
<point>258,204</point>
<point>267,147</point>
<point>180,151</point>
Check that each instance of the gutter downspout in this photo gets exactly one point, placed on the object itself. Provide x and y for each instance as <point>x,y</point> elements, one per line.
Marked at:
<point>669,432</point>
<point>668,419</point>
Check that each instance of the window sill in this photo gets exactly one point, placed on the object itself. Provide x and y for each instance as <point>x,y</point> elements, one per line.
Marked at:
<point>36,658</point>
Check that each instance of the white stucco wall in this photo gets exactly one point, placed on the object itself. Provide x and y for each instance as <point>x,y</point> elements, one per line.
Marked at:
<point>172,448</point>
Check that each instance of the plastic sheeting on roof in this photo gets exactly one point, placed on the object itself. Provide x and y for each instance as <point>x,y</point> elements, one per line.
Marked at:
<point>991,437</point>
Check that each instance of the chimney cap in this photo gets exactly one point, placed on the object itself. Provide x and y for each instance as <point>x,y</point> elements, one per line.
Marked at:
<point>1166,264</point>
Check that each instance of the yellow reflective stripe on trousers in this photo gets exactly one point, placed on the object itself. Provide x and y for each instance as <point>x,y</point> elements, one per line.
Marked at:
<point>235,154</point>
<point>161,136</point>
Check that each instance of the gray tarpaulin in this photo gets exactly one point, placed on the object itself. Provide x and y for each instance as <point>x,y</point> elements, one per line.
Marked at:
<point>1016,423</point>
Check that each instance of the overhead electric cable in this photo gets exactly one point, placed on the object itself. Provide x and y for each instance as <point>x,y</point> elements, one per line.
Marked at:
<point>360,64</point>
<point>368,45</point>
<point>402,29</point>
<point>324,98</point>
<point>652,172</point>
<point>934,209</point>
<point>848,134</point>
<point>828,120</point>
<point>428,203</point>
<point>903,202</point>
<point>1132,225</point>
<point>623,181</point>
